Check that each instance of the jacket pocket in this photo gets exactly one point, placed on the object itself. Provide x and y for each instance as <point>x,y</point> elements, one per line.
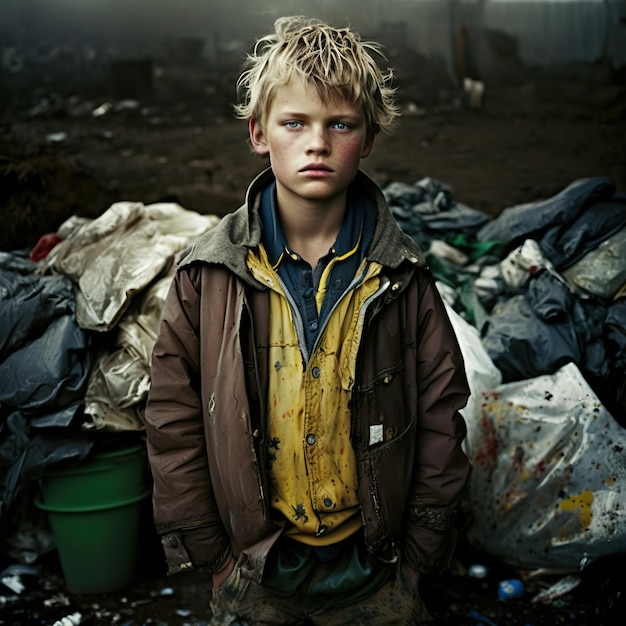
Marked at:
<point>391,472</point>
<point>382,406</point>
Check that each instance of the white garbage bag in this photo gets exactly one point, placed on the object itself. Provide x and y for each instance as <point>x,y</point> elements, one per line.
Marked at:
<point>482,374</point>
<point>549,469</point>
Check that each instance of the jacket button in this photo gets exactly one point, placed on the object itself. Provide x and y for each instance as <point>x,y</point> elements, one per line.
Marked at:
<point>311,439</point>
<point>328,502</point>
<point>315,372</point>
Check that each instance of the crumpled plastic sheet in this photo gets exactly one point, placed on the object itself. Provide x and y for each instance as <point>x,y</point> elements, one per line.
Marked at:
<point>599,221</point>
<point>525,221</point>
<point>115,256</point>
<point>118,388</point>
<point>547,486</point>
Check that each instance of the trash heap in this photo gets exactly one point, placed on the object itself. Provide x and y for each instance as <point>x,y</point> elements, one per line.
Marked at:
<point>536,296</point>
<point>538,300</point>
<point>79,316</point>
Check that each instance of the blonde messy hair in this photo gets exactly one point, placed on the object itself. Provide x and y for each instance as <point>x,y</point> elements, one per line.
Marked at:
<point>335,60</point>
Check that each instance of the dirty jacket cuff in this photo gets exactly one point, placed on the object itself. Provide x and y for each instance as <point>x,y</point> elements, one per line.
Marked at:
<point>187,549</point>
<point>431,539</point>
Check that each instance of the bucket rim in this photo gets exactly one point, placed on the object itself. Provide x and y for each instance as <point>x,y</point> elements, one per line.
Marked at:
<point>69,466</point>
<point>50,508</point>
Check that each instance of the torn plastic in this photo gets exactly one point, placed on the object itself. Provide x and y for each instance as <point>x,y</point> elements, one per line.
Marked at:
<point>11,576</point>
<point>73,619</point>
<point>548,471</point>
<point>558,589</point>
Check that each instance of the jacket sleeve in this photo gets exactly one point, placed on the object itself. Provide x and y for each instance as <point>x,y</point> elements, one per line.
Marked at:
<point>441,469</point>
<point>185,512</point>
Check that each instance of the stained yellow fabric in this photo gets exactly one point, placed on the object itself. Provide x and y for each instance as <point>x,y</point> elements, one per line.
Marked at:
<point>313,473</point>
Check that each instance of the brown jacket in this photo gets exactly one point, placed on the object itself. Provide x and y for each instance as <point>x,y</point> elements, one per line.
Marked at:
<point>205,418</point>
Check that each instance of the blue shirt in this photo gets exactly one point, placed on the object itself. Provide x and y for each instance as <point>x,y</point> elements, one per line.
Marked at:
<point>299,277</point>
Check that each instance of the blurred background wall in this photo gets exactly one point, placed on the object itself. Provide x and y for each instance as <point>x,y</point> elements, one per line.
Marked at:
<point>484,39</point>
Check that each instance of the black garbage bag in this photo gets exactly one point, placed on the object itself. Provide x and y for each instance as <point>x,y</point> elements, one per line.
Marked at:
<point>611,384</point>
<point>427,210</point>
<point>50,372</point>
<point>567,225</point>
<point>538,332</point>
<point>44,449</point>
<point>566,245</point>
<point>28,302</point>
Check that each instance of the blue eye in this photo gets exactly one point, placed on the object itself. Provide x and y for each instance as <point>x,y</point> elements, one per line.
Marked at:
<point>341,126</point>
<point>292,124</point>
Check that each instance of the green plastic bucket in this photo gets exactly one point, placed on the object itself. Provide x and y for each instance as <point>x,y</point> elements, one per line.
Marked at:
<point>94,509</point>
<point>103,478</point>
<point>97,545</point>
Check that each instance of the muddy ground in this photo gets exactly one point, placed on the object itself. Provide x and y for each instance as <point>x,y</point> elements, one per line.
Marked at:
<point>74,148</point>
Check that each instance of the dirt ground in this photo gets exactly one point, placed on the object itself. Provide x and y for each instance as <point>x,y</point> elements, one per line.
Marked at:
<point>65,152</point>
<point>70,151</point>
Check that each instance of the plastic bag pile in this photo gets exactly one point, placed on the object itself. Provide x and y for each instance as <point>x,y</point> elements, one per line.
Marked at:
<point>538,300</point>
<point>77,329</point>
<point>536,296</point>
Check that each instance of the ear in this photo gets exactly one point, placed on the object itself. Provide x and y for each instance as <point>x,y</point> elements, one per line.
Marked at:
<point>257,138</point>
<point>368,146</point>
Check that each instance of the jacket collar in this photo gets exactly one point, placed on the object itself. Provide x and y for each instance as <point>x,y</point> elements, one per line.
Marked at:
<point>228,242</point>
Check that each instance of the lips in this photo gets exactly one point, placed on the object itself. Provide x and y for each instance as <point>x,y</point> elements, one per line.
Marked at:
<point>316,167</point>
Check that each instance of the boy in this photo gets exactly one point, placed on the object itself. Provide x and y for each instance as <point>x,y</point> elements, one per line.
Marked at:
<point>303,425</point>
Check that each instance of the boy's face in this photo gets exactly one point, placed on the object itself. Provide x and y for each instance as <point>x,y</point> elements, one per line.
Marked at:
<point>315,148</point>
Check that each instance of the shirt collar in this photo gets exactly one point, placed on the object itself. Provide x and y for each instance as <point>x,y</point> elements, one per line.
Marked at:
<point>274,240</point>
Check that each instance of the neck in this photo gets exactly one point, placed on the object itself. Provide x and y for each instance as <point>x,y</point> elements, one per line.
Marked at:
<point>311,228</point>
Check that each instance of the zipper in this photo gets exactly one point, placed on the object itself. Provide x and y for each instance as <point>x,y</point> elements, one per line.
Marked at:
<point>353,285</point>
<point>298,323</point>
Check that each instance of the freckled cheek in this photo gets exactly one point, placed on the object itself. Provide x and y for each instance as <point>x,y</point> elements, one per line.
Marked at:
<point>350,151</point>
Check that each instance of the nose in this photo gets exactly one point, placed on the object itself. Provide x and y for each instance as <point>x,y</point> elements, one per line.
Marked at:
<point>317,141</point>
